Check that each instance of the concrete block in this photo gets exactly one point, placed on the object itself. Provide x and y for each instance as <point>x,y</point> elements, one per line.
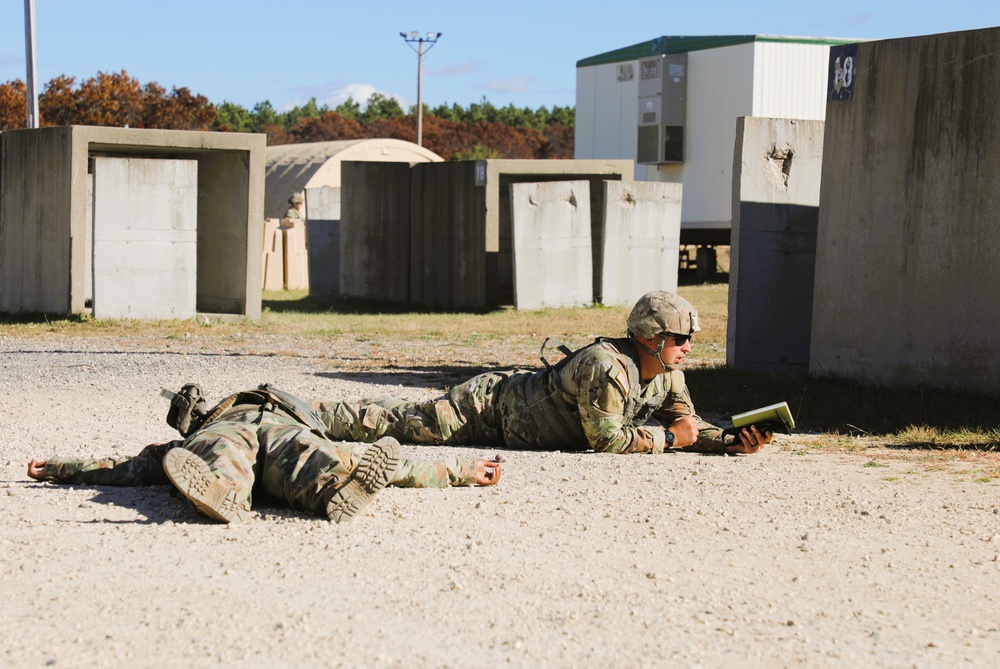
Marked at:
<point>551,238</point>
<point>777,170</point>
<point>145,214</point>
<point>45,196</point>
<point>273,264</point>
<point>375,231</point>
<point>323,240</point>
<point>907,246</point>
<point>642,224</point>
<point>296,261</point>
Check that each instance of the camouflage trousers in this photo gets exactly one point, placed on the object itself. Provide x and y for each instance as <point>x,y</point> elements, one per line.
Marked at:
<point>467,414</point>
<point>283,458</point>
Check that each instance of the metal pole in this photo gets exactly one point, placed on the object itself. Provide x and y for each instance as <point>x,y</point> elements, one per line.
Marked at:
<point>420,98</point>
<point>29,48</point>
<point>430,40</point>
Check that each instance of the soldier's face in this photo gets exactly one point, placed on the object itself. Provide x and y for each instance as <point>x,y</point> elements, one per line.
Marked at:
<point>675,348</point>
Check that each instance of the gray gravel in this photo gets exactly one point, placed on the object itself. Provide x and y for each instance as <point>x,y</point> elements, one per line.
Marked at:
<point>793,557</point>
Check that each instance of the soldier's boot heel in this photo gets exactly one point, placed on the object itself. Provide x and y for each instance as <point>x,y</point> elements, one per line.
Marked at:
<point>378,464</point>
<point>216,497</point>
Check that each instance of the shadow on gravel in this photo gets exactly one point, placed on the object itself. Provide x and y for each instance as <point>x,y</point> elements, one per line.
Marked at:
<point>158,504</point>
<point>417,376</point>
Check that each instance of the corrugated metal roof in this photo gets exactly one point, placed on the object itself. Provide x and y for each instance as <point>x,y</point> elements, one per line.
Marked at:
<point>682,44</point>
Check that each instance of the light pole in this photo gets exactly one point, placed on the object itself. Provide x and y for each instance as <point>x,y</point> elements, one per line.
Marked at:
<point>29,48</point>
<point>430,39</point>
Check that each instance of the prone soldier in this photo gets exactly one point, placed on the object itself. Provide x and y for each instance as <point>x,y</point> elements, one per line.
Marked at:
<point>617,395</point>
<point>265,441</point>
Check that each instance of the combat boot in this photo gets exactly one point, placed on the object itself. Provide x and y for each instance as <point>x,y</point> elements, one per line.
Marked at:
<point>216,497</point>
<point>378,464</point>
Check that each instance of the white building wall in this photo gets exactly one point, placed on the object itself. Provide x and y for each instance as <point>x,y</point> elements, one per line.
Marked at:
<point>773,79</point>
<point>720,89</point>
<point>606,113</point>
<point>790,80</point>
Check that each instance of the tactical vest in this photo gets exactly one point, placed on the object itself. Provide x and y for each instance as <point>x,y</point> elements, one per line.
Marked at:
<point>190,421</point>
<point>551,400</point>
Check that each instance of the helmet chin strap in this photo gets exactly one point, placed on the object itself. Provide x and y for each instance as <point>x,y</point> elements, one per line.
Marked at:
<point>657,353</point>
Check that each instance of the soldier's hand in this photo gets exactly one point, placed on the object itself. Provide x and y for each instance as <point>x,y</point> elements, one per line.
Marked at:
<point>36,469</point>
<point>685,431</point>
<point>749,441</point>
<point>488,471</point>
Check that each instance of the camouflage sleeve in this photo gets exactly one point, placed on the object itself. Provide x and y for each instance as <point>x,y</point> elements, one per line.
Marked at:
<point>601,396</point>
<point>146,468</point>
<point>453,471</point>
<point>709,436</point>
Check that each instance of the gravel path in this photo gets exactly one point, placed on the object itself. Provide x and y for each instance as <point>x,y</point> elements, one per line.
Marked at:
<point>794,557</point>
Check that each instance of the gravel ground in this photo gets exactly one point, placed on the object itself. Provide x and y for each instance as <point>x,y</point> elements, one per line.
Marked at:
<point>794,557</point>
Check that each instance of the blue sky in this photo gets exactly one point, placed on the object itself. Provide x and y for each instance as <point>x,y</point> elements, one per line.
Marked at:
<point>514,51</point>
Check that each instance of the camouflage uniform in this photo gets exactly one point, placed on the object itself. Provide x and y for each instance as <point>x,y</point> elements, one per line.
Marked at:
<point>262,445</point>
<point>294,212</point>
<point>594,398</point>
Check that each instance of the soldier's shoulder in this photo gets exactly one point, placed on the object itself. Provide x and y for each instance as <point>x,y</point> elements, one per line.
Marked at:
<point>674,381</point>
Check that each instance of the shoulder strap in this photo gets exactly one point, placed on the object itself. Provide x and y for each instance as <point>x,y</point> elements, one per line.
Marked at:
<point>565,350</point>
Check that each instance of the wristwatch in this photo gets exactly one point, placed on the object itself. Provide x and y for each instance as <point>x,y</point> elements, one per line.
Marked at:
<point>669,439</point>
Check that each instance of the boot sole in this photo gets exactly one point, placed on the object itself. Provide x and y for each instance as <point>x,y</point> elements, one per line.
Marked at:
<point>215,497</point>
<point>379,463</point>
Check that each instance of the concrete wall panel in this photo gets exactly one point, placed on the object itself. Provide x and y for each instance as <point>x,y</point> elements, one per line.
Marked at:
<point>35,237</point>
<point>642,226</point>
<point>907,248</point>
<point>776,184</point>
<point>145,238</point>
<point>375,231</point>
<point>461,250</point>
<point>448,236</point>
<point>323,240</point>
<point>551,240</point>
<point>43,213</point>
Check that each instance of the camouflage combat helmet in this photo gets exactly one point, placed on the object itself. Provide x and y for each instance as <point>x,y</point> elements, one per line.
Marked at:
<point>662,312</point>
<point>295,199</point>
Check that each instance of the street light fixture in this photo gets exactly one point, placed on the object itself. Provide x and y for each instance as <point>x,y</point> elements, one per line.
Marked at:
<point>430,39</point>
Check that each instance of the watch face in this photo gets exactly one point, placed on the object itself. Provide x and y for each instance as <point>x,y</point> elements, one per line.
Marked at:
<point>670,437</point>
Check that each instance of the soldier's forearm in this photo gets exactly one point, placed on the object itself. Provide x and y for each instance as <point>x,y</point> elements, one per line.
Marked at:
<point>454,471</point>
<point>643,439</point>
<point>146,468</point>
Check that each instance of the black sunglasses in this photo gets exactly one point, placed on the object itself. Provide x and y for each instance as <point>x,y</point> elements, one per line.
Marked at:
<point>679,340</point>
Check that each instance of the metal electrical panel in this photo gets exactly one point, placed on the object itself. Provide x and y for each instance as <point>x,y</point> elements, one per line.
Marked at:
<point>662,108</point>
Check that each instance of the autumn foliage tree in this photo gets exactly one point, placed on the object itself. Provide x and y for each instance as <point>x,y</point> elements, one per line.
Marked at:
<point>453,132</point>
<point>328,127</point>
<point>115,99</point>
<point>13,105</point>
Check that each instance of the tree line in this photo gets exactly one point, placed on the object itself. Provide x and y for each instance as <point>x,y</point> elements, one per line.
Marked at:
<point>481,130</point>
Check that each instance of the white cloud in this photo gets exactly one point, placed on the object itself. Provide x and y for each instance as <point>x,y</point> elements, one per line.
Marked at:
<point>860,19</point>
<point>518,84</point>
<point>337,93</point>
<point>457,69</point>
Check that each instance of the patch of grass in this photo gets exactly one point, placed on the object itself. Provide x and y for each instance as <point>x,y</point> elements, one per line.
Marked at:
<point>875,463</point>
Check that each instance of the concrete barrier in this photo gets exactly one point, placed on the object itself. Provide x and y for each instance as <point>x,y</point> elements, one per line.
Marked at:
<point>46,192</point>
<point>776,183</point>
<point>641,239</point>
<point>296,262</point>
<point>273,260</point>
<point>907,246</point>
<point>551,238</point>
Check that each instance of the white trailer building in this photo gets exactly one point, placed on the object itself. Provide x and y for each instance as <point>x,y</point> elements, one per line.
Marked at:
<point>671,105</point>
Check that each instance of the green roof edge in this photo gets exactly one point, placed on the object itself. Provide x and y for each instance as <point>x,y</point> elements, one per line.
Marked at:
<point>680,44</point>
